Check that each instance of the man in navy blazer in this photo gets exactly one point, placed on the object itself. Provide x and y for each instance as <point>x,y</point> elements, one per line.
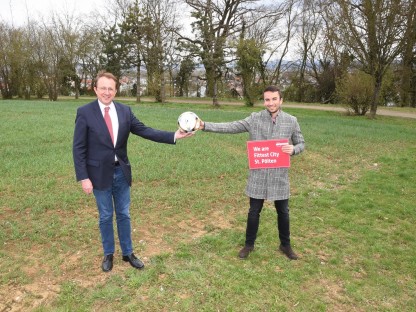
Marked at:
<point>102,165</point>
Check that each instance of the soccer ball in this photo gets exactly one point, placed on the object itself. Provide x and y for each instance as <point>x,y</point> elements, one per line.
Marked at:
<point>189,122</point>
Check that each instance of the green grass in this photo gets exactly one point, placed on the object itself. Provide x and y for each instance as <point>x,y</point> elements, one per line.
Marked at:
<point>352,218</point>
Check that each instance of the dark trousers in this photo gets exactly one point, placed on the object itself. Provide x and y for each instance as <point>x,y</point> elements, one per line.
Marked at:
<point>253,220</point>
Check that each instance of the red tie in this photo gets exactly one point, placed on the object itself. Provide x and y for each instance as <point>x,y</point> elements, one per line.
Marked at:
<point>107,119</point>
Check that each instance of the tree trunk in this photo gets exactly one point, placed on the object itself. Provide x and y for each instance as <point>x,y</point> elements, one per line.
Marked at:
<point>376,96</point>
<point>138,84</point>
<point>215,102</point>
<point>77,87</point>
<point>210,79</point>
<point>413,92</point>
<point>162,87</point>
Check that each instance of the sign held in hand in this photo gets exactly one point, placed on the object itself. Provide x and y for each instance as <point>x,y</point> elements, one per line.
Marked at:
<point>267,154</point>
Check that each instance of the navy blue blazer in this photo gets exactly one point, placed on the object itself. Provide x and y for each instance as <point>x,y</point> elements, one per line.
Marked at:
<point>93,150</point>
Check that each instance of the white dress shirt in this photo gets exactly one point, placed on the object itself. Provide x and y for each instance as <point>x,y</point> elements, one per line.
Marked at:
<point>114,119</point>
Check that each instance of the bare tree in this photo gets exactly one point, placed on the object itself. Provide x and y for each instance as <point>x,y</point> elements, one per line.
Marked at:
<point>7,62</point>
<point>328,62</point>
<point>279,31</point>
<point>47,55</point>
<point>263,48</point>
<point>407,88</point>
<point>133,28</point>
<point>309,26</point>
<point>68,29</point>
<point>90,49</point>
<point>372,31</point>
<point>56,48</point>
<point>161,19</point>
<point>215,23</point>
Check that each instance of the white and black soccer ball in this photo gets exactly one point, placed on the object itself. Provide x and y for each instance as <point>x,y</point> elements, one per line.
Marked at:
<point>189,122</point>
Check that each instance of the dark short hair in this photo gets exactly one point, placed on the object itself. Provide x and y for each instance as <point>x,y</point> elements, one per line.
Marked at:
<point>105,74</point>
<point>273,89</point>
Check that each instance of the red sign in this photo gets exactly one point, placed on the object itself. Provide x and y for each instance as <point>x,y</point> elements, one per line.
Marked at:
<point>267,154</point>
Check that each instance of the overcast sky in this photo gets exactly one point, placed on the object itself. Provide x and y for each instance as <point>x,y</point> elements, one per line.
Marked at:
<point>16,12</point>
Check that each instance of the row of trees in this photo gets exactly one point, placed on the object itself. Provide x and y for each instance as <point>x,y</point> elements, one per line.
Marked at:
<point>315,49</point>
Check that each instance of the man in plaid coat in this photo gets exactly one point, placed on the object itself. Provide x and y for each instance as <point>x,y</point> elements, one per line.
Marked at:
<point>267,184</point>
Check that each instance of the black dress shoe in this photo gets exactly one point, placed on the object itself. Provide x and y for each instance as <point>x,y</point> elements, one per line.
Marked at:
<point>107,263</point>
<point>287,250</point>
<point>245,252</point>
<point>134,261</point>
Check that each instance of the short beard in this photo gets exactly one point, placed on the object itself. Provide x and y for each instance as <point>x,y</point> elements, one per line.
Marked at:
<point>277,110</point>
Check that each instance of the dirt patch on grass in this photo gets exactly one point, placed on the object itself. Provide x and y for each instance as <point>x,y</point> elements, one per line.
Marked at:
<point>35,277</point>
<point>333,293</point>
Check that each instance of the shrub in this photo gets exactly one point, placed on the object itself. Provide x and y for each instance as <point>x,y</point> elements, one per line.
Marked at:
<point>356,91</point>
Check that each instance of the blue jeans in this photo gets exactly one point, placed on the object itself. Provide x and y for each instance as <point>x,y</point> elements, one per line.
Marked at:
<point>116,198</point>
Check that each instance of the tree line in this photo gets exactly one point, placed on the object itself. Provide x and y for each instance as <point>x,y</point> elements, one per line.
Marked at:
<point>361,53</point>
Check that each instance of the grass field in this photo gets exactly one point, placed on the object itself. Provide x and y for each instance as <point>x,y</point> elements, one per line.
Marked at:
<point>352,218</point>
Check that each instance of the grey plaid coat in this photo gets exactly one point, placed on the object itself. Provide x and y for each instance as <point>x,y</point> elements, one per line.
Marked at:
<point>270,184</point>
